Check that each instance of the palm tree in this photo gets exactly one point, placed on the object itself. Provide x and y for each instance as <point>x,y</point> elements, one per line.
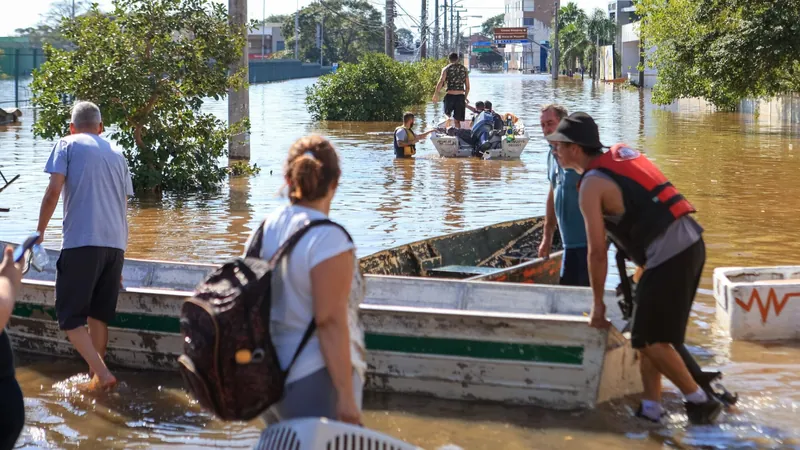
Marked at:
<point>601,30</point>
<point>572,37</point>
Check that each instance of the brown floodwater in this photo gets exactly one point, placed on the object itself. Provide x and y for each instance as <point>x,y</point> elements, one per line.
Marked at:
<point>739,170</point>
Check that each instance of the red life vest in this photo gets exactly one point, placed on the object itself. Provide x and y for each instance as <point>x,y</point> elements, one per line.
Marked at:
<point>651,202</point>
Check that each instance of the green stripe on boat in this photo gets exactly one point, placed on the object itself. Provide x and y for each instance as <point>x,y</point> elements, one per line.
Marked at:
<point>476,349</point>
<point>572,355</point>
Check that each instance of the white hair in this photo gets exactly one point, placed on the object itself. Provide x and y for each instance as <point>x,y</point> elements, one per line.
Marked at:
<point>86,114</point>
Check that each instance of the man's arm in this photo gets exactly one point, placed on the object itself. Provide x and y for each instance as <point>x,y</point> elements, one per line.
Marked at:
<point>591,198</point>
<point>439,85</point>
<point>467,105</point>
<point>466,92</point>
<point>549,225</point>
<point>49,202</point>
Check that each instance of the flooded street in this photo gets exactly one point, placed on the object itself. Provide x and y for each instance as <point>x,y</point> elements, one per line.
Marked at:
<point>739,171</point>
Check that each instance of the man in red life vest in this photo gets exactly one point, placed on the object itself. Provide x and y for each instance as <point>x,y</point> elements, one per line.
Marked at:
<point>625,196</point>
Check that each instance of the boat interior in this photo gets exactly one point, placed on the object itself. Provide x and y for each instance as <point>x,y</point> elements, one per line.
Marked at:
<point>503,252</point>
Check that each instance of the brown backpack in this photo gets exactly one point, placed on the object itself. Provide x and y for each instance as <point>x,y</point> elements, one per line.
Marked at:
<point>229,362</point>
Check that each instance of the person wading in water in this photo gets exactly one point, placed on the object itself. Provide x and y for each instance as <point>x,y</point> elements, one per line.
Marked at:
<point>562,208</point>
<point>455,101</point>
<point>625,195</point>
<point>404,138</point>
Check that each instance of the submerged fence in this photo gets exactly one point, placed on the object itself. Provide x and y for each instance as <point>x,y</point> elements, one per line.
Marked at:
<point>16,68</point>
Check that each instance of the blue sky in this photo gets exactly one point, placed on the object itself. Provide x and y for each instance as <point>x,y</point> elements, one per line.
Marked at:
<point>26,13</point>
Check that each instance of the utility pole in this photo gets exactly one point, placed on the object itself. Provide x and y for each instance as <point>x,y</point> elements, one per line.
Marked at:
<point>458,33</point>
<point>452,22</point>
<point>423,31</point>
<point>297,32</point>
<point>554,58</point>
<point>73,10</point>
<point>239,99</point>
<point>446,42</point>
<point>436,29</point>
<point>263,26</point>
<point>389,32</point>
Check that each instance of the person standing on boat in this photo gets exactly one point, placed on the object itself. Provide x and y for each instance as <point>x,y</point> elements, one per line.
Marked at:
<point>562,208</point>
<point>320,280</point>
<point>404,138</point>
<point>457,78</point>
<point>12,405</point>
<point>96,184</point>
<point>624,196</point>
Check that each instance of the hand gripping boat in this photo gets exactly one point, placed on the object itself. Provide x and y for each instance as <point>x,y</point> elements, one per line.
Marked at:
<point>487,142</point>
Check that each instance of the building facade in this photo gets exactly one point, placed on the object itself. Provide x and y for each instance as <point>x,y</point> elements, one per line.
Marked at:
<point>270,36</point>
<point>537,16</point>
<point>621,12</point>
<point>630,56</point>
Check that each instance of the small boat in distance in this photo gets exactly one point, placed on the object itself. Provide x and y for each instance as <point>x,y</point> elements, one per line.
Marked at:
<point>500,144</point>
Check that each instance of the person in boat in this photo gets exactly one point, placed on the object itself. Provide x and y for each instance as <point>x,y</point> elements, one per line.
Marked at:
<point>562,208</point>
<point>457,78</point>
<point>96,184</point>
<point>320,281</point>
<point>404,138</point>
<point>12,411</point>
<point>476,111</point>
<point>482,129</point>
<point>624,196</point>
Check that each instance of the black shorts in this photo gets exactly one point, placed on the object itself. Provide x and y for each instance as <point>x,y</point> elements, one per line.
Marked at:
<point>664,297</point>
<point>575,267</point>
<point>87,285</point>
<point>455,105</point>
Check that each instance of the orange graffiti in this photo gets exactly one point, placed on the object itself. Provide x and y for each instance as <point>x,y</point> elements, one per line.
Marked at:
<point>763,308</point>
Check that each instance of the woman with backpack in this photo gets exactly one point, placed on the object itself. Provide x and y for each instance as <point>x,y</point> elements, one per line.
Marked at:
<point>319,280</point>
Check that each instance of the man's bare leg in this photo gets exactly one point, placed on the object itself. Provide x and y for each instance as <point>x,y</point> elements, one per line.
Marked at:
<point>651,380</point>
<point>98,331</point>
<point>80,339</point>
<point>668,362</point>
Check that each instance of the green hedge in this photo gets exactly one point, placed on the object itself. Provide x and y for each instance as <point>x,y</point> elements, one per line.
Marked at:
<point>377,88</point>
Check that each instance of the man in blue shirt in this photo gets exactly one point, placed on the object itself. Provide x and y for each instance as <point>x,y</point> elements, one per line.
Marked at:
<point>96,184</point>
<point>563,208</point>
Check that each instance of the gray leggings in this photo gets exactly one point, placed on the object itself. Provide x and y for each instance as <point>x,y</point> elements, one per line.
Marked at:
<point>313,396</point>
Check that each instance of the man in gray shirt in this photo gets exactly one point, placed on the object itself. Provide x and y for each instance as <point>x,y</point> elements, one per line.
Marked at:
<point>96,184</point>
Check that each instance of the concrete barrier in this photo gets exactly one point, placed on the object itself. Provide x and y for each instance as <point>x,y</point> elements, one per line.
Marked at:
<point>284,69</point>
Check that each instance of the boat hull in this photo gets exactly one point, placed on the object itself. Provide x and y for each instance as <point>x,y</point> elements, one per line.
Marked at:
<point>758,303</point>
<point>448,340</point>
<point>450,146</point>
<point>463,339</point>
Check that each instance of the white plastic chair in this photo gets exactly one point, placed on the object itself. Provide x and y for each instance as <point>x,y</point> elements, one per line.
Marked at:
<point>324,434</point>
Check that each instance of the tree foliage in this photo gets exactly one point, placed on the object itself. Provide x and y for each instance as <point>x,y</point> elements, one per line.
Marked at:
<point>487,27</point>
<point>48,30</point>
<point>722,50</point>
<point>404,38</point>
<point>351,29</point>
<point>573,39</point>
<point>148,65</point>
<point>377,88</point>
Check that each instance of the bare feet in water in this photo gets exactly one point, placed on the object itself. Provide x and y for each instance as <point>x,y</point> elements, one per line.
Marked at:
<point>102,384</point>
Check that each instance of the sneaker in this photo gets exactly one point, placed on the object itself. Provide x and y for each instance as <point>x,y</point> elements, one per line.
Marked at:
<point>640,414</point>
<point>703,413</point>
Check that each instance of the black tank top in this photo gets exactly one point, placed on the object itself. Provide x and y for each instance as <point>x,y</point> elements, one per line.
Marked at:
<point>6,357</point>
<point>456,77</point>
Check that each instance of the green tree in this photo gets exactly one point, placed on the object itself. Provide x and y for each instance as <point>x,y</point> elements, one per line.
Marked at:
<point>722,50</point>
<point>487,27</point>
<point>278,18</point>
<point>573,39</point>
<point>377,88</point>
<point>149,66</point>
<point>490,58</point>
<point>404,38</point>
<point>352,28</point>
<point>600,31</point>
<point>48,30</point>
